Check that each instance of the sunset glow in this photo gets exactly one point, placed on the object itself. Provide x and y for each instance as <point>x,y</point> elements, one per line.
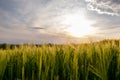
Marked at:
<point>78,25</point>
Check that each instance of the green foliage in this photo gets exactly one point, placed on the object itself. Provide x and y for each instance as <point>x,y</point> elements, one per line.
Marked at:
<point>93,61</point>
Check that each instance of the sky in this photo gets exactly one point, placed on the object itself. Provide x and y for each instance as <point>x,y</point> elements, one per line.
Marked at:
<point>58,21</point>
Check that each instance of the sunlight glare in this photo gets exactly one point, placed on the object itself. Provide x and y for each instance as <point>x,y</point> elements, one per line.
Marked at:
<point>78,25</point>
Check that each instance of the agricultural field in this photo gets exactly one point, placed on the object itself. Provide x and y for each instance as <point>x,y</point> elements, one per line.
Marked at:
<point>92,61</point>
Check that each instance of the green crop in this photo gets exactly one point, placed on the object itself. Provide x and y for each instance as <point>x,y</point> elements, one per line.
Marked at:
<point>93,61</point>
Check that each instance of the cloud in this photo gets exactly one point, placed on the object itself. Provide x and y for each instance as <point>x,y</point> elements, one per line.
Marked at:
<point>41,20</point>
<point>37,28</point>
<point>34,12</point>
<point>34,20</point>
<point>110,7</point>
<point>107,28</point>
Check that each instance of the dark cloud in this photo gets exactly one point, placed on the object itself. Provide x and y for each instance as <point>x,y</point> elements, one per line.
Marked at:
<point>110,7</point>
<point>8,5</point>
<point>37,28</point>
<point>115,1</point>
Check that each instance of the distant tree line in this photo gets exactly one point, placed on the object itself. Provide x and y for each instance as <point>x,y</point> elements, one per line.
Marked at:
<point>12,46</point>
<point>7,46</point>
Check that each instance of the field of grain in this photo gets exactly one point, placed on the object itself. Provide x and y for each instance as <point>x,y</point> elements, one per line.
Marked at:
<point>93,61</point>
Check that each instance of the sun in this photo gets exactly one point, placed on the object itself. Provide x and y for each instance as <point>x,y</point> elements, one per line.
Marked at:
<point>77,25</point>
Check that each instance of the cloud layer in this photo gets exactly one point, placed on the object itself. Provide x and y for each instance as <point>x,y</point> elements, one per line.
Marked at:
<point>41,20</point>
<point>34,20</point>
<point>110,7</point>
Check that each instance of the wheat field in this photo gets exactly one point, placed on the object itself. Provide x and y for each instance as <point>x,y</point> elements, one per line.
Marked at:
<point>92,61</point>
